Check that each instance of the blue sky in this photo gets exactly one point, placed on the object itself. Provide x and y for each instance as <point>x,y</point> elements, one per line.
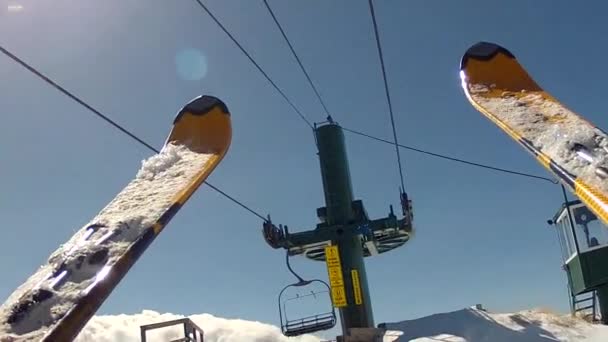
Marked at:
<point>481,236</point>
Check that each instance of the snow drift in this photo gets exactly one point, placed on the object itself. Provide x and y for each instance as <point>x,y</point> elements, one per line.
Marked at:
<point>125,328</point>
<point>473,325</point>
<point>466,325</point>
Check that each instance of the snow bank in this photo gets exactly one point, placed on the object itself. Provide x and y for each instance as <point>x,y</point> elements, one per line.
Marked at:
<point>467,325</point>
<point>125,328</point>
<point>472,325</point>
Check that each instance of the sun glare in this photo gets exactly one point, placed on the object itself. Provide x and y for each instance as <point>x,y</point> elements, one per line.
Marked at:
<point>15,8</point>
<point>191,64</point>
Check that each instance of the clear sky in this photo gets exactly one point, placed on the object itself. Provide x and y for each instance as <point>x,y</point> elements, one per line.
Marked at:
<point>481,236</point>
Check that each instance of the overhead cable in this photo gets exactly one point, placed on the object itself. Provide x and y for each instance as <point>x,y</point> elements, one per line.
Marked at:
<point>112,122</point>
<point>388,96</point>
<point>302,116</point>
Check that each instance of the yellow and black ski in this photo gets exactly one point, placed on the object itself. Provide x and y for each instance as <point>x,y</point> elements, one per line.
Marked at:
<point>565,143</point>
<point>57,301</point>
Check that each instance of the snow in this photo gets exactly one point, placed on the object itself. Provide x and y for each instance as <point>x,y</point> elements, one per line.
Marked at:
<point>553,129</point>
<point>474,325</point>
<point>466,325</point>
<point>125,328</point>
<point>79,263</point>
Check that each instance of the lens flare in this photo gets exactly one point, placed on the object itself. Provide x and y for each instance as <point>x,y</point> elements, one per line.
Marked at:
<point>15,8</point>
<point>191,64</point>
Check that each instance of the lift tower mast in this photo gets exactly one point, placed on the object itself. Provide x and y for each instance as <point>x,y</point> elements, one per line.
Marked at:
<point>342,239</point>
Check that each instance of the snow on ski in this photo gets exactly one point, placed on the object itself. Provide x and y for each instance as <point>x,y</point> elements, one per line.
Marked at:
<point>568,145</point>
<point>56,302</point>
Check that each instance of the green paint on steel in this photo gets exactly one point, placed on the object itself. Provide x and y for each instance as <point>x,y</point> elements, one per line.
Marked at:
<point>335,173</point>
<point>338,191</point>
<point>576,276</point>
<point>345,223</point>
<point>588,270</point>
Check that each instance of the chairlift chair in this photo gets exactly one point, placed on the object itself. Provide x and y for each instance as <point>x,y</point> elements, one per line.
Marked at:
<point>309,324</point>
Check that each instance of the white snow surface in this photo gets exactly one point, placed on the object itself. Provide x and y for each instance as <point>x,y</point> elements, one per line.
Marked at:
<point>466,325</point>
<point>89,253</point>
<point>125,328</point>
<point>552,128</point>
<point>473,325</point>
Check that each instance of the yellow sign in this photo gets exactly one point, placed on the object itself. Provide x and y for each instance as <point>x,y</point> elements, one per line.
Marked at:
<point>338,296</point>
<point>332,256</point>
<point>334,270</point>
<point>356,287</point>
<point>335,276</point>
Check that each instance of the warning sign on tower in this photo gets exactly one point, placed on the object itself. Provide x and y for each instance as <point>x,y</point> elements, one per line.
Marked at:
<point>356,287</point>
<point>336,281</point>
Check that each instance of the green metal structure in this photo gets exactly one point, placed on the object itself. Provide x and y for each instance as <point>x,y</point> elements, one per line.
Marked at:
<point>346,231</point>
<point>584,246</point>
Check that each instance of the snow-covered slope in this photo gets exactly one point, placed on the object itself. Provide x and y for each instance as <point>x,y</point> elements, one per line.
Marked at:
<point>125,328</point>
<point>472,325</point>
<point>467,325</point>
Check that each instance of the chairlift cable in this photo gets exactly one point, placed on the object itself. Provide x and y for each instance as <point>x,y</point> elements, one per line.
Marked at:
<point>312,85</point>
<point>67,93</point>
<point>458,160</point>
<point>302,116</point>
<point>350,130</point>
<point>388,96</point>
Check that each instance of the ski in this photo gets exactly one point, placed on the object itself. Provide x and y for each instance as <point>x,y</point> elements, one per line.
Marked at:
<point>566,144</point>
<point>56,302</point>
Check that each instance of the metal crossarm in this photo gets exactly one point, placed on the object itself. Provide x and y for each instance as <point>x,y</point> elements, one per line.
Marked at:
<point>192,332</point>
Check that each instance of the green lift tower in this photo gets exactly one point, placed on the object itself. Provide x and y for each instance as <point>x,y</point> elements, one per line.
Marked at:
<point>343,238</point>
<point>584,246</point>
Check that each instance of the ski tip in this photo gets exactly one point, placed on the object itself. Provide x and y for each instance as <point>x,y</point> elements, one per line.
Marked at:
<point>203,125</point>
<point>202,105</point>
<point>483,51</point>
